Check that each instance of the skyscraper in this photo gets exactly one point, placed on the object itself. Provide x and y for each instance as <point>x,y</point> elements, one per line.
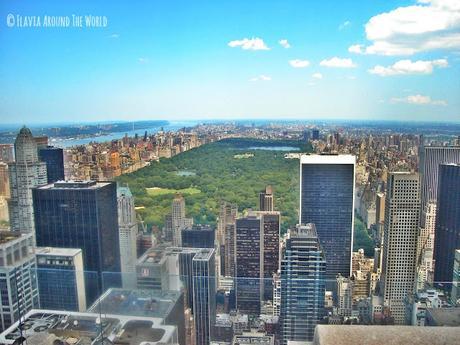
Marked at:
<point>18,277</point>
<point>248,264</point>
<point>61,281</point>
<point>128,231</point>
<point>327,185</point>
<point>225,238</point>
<point>400,241</point>
<point>54,159</point>
<point>82,215</point>
<point>430,159</point>
<point>204,295</point>
<point>26,173</point>
<point>178,219</point>
<point>447,228</point>
<point>303,269</point>
<point>270,239</point>
<point>266,199</point>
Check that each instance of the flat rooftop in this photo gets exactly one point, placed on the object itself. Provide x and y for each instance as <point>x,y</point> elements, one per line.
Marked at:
<point>75,185</point>
<point>445,316</point>
<point>204,254</point>
<point>149,303</point>
<point>47,327</point>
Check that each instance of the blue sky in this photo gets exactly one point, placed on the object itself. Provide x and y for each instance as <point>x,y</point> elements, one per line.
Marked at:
<point>172,59</point>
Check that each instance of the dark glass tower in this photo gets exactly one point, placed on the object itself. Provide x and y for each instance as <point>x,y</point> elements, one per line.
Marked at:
<point>54,159</point>
<point>326,199</point>
<point>198,236</point>
<point>303,270</point>
<point>447,229</point>
<point>82,215</point>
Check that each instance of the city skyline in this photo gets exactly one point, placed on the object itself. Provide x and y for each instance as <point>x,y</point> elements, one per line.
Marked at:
<point>172,60</point>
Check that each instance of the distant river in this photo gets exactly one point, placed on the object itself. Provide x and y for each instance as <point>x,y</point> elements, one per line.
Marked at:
<point>173,126</point>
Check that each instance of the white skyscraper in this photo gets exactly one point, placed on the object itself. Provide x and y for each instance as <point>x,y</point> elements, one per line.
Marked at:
<point>178,220</point>
<point>400,241</point>
<point>128,230</point>
<point>26,173</point>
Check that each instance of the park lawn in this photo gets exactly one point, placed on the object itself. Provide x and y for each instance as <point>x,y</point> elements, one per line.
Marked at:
<point>156,191</point>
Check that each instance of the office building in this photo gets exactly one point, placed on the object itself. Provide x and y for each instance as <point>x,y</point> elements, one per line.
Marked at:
<point>248,258</point>
<point>18,278</point>
<point>54,159</point>
<point>447,228</point>
<point>225,238</point>
<point>327,188</point>
<point>26,173</point>
<point>266,199</point>
<point>82,215</point>
<point>128,232</point>
<point>315,134</point>
<point>270,239</point>
<point>178,219</point>
<point>198,236</point>
<point>400,241</point>
<point>61,278</point>
<point>303,269</point>
<point>425,248</point>
<point>430,159</point>
<point>204,295</point>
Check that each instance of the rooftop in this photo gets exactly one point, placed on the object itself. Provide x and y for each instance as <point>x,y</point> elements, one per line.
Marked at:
<point>444,316</point>
<point>77,184</point>
<point>150,303</point>
<point>46,327</point>
<point>52,251</point>
<point>8,236</point>
<point>327,159</point>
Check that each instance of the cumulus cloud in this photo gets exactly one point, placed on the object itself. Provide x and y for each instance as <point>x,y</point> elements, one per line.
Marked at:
<point>426,26</point>
<point>254,43</point>
<point>408,67</point>
<point>317,76</point>
<point>284,43</point>
<point>338,63</point>
<point>299,63</point>
<point>344,25</point>
<point>261,77</point>
<point>356,48</point>
<point>419,100</point>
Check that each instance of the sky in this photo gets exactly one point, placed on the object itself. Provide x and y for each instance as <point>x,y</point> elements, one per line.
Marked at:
<point>238,59</point>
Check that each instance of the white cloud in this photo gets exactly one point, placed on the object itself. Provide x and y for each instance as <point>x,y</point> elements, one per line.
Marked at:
<point>408,67</point>
<point>299,63</point>
<point>317,76</point>
<point>114,36</point>
<point>249,44</point>
<point>142,60</point>
<point>419,100</point>
<point>284,43</point>
<point>338,63</point>
<point>428,25</point>
<point>356,48</point>
<point>261,77</point>
<point>344,25</point>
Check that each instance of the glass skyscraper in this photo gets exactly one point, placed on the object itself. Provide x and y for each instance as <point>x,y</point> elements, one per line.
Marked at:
<point>54,159</point>
<point>82,215</point>
<point>327,184</point>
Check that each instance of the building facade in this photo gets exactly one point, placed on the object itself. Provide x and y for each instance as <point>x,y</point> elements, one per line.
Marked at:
<point>82,215</point>
<point>54,159</point>
<point>327,188</point>
<point>400,241</point>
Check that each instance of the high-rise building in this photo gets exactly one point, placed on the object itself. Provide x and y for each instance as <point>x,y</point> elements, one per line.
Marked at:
<point>315,134</point>
<point>270,239</point>
<point>178,219</point>
<point>4,180</point>
<point>344,296</point>
<point>198,236</point>
<point>204,295</point>
<point>61,280</point>
<point>128,232</point>
<point>18,277</point>
<point>430,159</point>
<point>400,241</point>
<point>303,269</point>
<point>225,238</point>
<point>248,258</point>
<point>447,228</point>
<point>425,248</point>
<point>327,188</point>
<point>54,159</point>
<point>266,199</point>
<point>82,215</point>
<point>26,172</point>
